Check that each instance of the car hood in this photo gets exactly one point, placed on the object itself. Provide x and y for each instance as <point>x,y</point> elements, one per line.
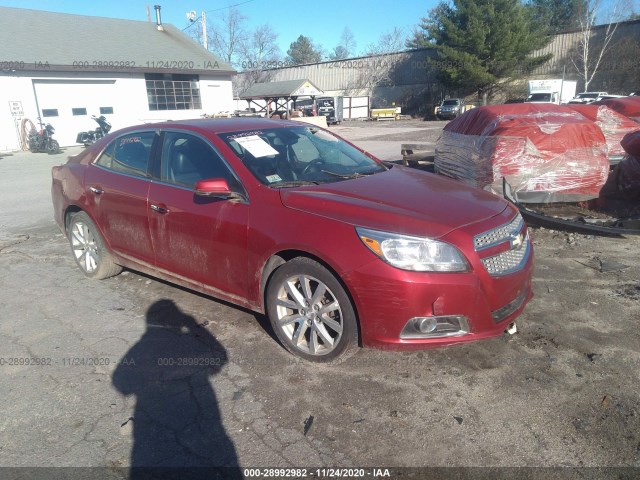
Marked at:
<point>401,200</point>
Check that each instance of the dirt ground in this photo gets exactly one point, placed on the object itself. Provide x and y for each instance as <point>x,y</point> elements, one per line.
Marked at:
<point>562,392</point>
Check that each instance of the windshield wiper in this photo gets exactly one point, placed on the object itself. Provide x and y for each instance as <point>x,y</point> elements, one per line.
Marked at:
<point>293,183</point>
<point>352,175</point>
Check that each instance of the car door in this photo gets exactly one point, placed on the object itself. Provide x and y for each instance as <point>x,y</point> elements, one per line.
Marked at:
<point>117,186</point>
<point>199,238</point>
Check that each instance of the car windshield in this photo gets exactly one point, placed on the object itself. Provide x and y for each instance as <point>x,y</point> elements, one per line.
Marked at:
<point>587,95</point>
<point>539,97</point>
<point>294,156</point>
<point>450,102</point>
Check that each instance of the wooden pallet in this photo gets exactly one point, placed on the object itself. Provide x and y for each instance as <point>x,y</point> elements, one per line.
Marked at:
<point>414,154</point>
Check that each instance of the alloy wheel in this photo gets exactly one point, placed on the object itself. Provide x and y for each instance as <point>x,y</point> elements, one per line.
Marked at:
<point>309,315</point>
<point>85,248</point>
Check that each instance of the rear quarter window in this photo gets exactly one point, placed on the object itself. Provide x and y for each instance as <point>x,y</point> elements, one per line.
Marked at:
<point>128,154</point>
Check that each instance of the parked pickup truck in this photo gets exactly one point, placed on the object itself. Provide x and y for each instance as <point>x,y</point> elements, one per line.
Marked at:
<point>588,97</point>
<point>451,108</point>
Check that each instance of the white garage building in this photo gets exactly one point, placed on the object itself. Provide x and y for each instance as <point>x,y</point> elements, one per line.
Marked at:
<point>65,68</point>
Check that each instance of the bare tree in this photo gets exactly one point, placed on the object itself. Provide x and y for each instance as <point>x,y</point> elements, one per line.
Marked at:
<point>260,56</point>
<point>346,47</point>
<point>262,46</point>
<point>389,42</point>
<point>594,42</point>
<point>384,56</point>
<point>228,37</point>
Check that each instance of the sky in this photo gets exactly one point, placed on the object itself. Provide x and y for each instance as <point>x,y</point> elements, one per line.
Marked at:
<point>323,21</point>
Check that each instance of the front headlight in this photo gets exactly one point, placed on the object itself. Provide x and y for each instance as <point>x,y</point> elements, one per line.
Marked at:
<point>413,253</point>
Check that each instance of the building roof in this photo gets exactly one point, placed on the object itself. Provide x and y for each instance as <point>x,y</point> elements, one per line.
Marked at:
<point>47,41</point>
<point>285,89</point>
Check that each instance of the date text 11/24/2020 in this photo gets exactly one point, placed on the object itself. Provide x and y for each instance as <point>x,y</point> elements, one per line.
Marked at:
<point>316,473</point>
<point>160,64</point>
<point>64,361</point>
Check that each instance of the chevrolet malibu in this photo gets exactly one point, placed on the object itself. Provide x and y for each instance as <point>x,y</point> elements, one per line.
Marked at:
<point>338,248</point>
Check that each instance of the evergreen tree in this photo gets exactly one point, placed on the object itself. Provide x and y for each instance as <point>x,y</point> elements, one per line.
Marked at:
<point>302,51</point>
<point>559,15</point>
<point>481,42</point>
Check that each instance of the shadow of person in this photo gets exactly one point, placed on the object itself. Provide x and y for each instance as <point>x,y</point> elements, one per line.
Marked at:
<point>177,429</point>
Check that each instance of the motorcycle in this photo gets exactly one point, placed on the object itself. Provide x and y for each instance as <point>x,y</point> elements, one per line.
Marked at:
<point>42,140</point>
<point>92,136</point>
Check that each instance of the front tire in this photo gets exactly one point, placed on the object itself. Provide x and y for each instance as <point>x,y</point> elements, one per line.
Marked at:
<point>311,313</point>
<point>89,250</point>
<point>53,147</point>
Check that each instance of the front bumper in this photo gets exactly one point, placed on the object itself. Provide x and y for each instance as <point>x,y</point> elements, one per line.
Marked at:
<point>388,299</point>
<point>448,114</point>
<point>387,304</point>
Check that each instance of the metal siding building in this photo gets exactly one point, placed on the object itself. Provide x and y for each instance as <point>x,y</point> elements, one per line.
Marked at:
<point>619,71</point>
<point>385,79</point>
<point>408,79</point>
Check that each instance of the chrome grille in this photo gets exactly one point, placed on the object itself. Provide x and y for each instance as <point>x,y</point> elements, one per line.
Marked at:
<point>499,235</point>
<point>509,261</point>
<point>519,247</point>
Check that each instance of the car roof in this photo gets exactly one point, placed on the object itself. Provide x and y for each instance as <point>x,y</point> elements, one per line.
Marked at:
<point>217,125</point>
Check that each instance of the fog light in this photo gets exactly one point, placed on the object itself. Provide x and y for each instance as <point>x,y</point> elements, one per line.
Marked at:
<point>426,325</point>
<point>436,327</point>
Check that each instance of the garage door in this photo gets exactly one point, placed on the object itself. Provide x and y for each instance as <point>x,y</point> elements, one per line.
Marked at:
<point>69,104</point>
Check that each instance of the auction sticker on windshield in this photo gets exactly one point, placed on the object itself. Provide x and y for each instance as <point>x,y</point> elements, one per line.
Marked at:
<point>256,146</point>
<point>274,178</point>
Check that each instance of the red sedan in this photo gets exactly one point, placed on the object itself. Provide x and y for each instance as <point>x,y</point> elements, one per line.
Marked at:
<point>336,247</point>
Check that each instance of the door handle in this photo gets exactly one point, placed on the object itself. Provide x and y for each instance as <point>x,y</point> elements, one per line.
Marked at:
<point>96,190</point>
<point>159,209</point>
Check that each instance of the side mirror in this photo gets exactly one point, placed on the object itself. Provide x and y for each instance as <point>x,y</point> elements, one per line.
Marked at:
<point>215,188</point>
<point>212,187</point>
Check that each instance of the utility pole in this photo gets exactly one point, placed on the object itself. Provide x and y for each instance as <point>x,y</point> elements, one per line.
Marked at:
<point>204,31</point>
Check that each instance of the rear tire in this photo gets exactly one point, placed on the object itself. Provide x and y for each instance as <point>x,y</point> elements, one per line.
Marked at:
<point>311,313</point>
<point>88,248</point>
<point>33,145</point>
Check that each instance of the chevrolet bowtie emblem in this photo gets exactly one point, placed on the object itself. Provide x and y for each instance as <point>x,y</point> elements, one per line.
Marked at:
<point>517,241</point>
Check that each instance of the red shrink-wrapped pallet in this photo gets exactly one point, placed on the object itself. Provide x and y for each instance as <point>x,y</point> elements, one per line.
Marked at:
<point>627,106</point>
<point>614,126</point>
<point>547,153</point>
